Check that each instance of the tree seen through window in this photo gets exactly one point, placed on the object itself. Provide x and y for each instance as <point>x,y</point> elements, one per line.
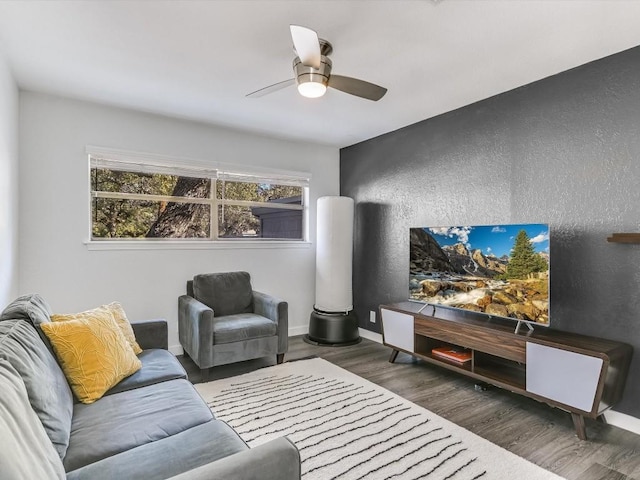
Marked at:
<point>127,204</point>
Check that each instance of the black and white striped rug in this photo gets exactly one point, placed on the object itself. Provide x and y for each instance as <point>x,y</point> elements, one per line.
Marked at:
<point>349,428</point>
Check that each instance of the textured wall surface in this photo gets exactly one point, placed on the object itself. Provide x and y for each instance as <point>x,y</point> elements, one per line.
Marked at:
<point>564,151</point>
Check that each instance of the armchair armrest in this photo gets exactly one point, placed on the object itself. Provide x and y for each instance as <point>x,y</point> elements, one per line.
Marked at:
<point>278,459</point>
<point>276,310</point>
<point>151,333</point>
<point>195,329</point>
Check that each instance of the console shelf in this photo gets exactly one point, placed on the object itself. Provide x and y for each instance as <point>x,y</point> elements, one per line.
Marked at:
<point>582,375</point>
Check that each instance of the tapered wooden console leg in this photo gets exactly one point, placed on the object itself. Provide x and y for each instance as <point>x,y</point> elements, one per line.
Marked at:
<point>280,358</point>
<point>578,423</point>
<point>394,354</point>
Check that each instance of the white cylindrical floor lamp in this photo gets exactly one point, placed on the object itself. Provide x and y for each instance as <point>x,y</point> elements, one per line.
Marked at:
<point>333,320</point>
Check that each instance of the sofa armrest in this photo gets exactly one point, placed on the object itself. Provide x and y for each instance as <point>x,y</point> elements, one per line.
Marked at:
<point>278,311</point>
<point>151,333</point>
<point>278,459</point>
<point>195,329</point>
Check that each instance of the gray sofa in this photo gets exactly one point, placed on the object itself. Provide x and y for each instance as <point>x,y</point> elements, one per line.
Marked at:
<point>152,425</point>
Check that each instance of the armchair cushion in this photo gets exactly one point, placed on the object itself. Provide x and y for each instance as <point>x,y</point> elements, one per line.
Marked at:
<point>225,293</point>
<point>240,327</point>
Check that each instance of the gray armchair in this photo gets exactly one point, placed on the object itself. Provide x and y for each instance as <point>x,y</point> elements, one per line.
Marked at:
<point>222,320</point>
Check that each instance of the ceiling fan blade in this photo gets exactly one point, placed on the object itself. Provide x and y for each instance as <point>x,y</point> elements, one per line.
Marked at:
<point>359,88</point>
<point>271,88</point>
<point>307,45</point>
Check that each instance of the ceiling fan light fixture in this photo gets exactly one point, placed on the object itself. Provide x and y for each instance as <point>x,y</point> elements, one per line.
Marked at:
<point>312,82</point>
<point>312,89</point>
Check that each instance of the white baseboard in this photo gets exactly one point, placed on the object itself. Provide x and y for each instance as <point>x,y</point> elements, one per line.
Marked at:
<point>301,330</point>
<point>369,335</point>
<point>622,420</point>
<point>176,349</point>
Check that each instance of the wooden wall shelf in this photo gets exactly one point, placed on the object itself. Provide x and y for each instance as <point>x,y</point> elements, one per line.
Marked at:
<point>624,238</point>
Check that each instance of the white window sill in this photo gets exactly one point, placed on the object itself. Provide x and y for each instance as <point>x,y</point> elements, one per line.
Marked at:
<point>193,244</point>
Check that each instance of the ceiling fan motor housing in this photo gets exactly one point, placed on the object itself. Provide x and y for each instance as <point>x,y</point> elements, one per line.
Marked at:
<point>305,74</point>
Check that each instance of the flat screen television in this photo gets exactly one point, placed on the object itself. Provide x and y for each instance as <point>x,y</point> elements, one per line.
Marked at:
<point>497,270</point>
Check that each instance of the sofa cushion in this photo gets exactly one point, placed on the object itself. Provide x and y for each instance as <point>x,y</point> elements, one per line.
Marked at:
<point>123,322</point>
<point>118,314</point>
<point>25,449</point>
<point>225,293</point>
<point>46,385</point>
<point>157,366</point>
<point>170,456</point>
<point>93,353</point>
<point>30,307</point>
<point>244,326</point>
<point>122,421</point>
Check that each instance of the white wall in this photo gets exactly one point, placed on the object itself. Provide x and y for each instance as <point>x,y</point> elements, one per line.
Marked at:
<point>8,185</point>
<point>54,211</point>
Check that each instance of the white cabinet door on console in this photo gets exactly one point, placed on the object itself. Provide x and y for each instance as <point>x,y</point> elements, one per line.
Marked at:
<point>563,376</point>
<point>397,329</point>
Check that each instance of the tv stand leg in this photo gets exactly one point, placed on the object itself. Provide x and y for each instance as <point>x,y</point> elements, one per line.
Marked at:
<point>394,354</point>
<point>578,423</point>
<point>517,330</point>
<point>481,387</point>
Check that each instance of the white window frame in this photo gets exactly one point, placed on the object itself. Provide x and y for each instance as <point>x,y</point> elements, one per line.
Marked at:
<point>151,163</point>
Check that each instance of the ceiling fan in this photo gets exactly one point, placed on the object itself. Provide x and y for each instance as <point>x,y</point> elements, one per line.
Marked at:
<point>312,70</point>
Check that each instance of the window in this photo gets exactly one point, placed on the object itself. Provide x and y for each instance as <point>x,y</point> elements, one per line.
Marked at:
<point>133,198</point>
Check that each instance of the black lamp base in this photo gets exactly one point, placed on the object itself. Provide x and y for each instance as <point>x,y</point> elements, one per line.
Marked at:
<point>333,329</point>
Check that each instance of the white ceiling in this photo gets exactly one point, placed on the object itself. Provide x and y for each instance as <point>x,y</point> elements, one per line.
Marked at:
<point>198,59</point>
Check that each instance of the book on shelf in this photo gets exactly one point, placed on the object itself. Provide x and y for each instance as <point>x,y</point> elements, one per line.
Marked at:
<point>458,355</point>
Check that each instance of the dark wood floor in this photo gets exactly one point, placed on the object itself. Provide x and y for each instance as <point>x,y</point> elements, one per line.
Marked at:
<point>532,430</point>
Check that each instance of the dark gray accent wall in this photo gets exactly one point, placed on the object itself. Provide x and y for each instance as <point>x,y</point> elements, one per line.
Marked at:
<point>564,150</point>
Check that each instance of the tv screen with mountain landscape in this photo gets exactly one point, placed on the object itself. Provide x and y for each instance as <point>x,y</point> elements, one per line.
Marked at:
<point>498,270</point>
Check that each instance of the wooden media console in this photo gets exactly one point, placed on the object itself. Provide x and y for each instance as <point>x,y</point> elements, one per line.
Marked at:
<point>582,375</point>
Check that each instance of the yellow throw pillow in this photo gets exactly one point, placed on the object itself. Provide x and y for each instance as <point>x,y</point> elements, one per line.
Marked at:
<point>93,353</point>
<point>123,322</point>
<point>118,315</point>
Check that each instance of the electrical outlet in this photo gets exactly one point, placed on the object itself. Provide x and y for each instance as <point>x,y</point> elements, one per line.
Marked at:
<point>372,316</point>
